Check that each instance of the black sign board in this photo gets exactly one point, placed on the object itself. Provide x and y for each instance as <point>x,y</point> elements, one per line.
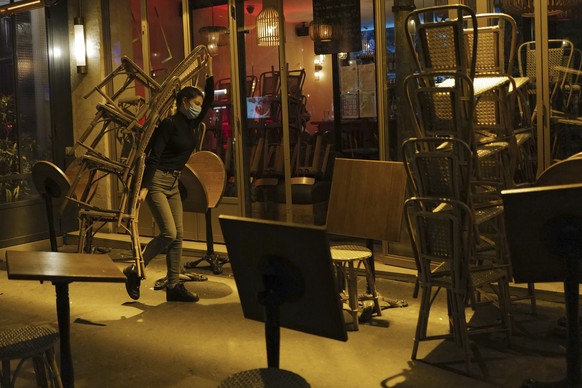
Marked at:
<point>344,17</point>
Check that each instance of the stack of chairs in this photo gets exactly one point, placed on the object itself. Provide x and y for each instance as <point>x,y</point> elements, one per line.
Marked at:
<point>130,120</point>
<point>460,159</point>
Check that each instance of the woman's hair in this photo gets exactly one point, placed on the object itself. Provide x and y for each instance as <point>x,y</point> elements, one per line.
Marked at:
<point>188,92</point>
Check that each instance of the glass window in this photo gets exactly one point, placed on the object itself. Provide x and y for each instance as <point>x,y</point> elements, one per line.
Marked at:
<point>24,102</point>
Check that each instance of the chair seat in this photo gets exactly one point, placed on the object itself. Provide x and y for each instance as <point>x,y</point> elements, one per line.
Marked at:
<point>485,214</point>
<point>344,256</point>
<point>30,342</point>
<point>264,377</point>
<point>488,149</point>
<point>26,341</point>
<point>345,253</point>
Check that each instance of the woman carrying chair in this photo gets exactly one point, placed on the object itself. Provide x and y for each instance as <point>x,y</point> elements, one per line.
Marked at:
<point>172,144</point>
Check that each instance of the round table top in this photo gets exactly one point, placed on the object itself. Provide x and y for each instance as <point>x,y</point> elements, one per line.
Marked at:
<point>349,252</point>
<point>263,378</point>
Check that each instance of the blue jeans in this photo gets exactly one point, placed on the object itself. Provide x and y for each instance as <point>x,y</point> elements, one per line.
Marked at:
<point>166,206</point>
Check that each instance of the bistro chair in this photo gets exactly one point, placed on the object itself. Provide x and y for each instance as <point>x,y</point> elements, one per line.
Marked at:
<point>442,168</point>
<point>444,106</point>
<point>365,202</point>
<point>30,342</point>
<point>496,42</point>
<point>125,165</point>
<point>565,115</point>
<point>436,38</point>
<point>204,178</point>
<point>441,233</point>
<point>560,53</point>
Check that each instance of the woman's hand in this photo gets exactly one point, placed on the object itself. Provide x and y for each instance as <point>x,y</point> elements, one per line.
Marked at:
<point>142,195</point>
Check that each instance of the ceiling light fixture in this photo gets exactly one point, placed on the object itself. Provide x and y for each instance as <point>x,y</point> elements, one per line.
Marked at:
<point>268,27</point>
<point>214,35</point>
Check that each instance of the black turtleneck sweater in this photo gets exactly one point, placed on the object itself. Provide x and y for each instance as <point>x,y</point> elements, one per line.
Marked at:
<point>175,139</point>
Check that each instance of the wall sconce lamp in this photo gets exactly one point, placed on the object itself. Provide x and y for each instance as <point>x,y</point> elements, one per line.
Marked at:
<point>80,48</point>
<point>318,67</point>
<point>268,27</point>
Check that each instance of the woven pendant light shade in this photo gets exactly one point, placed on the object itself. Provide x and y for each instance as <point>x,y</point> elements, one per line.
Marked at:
<point>320,31</point>
<point>268,27</point>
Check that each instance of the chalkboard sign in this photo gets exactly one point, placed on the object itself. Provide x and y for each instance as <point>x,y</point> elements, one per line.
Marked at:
<point>344,17</point>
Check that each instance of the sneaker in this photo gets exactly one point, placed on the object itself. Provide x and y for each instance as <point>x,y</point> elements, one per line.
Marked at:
<point>179,293</point>
<point>133,282</point>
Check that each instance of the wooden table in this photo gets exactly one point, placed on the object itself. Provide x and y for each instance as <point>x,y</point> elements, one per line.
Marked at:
<point>62,268</point>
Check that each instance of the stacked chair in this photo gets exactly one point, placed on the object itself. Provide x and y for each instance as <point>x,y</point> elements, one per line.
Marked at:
<point>463,154</point>
<point>560,54</point>
<point>498,115</point>
<point>130,120</point>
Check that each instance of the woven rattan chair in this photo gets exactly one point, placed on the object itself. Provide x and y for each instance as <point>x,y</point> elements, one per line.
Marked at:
<point>435,36</point>
<point>449,111</point>
<point>30,342</point>
<point>560,53</point>
<point>440,231</point>
<point>565,116</point>
<point>498,116</point>
<point>132,125</point>
<point>441,168</point>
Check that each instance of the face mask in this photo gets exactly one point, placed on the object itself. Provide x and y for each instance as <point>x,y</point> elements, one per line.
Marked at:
<point>192,111</point>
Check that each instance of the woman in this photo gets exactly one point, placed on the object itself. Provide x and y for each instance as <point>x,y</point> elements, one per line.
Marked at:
<point>171,146</point>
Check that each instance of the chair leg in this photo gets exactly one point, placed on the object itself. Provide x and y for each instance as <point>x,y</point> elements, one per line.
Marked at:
<point>5,377</point>
<point>460,323</point>
<point>53,368</point>
<point>505,307</point>
<point>353,293</point>
<point>39,371</point>
<point>372,286</point>
<point>422,322</point>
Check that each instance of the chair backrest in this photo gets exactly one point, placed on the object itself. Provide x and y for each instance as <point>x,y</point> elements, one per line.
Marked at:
<point>439,168</point>
<point>441,111</point>
<point>191,66</point>
<point>269,83</point>
<point>440,231</point>
<point>568,86</point>
<point>295,80</point>
<point>366,199</point>
<point>313,153</point>
<point>560,53</point>
<point>436,37</point>
<point>250,85</point>
<point>211,172</point>
<point>496,42</point>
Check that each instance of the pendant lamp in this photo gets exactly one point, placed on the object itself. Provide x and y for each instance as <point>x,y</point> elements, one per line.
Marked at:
<point>268,27</point>
<point>215,36</point>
